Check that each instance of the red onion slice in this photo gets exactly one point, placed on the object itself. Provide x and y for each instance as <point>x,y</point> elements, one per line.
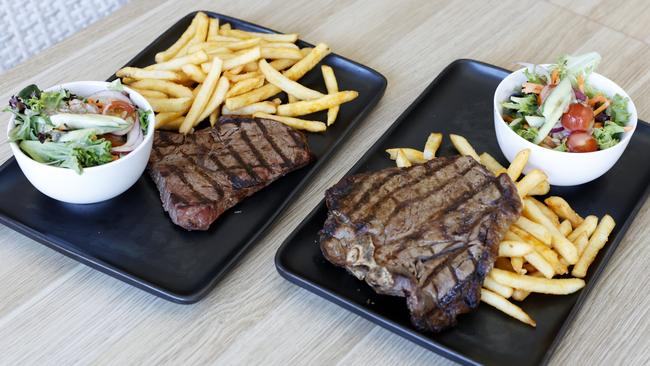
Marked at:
<point>105,96</point>
<point>133,139</point>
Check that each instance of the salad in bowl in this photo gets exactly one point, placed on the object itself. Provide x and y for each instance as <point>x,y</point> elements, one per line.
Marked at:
<point>557,108</point>
<point>575,122</point>
<point>81,142</point>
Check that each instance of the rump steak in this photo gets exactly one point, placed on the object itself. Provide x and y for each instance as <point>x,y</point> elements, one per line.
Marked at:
<point>429,233</point>
<point>203,174</point>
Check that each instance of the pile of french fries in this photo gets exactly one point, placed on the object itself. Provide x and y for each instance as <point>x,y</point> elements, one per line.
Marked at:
<point>213,69</point>
<point>550,239</point>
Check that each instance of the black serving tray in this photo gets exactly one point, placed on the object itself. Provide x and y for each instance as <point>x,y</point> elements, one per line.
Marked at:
<point>131,238</point>
<point>459,101</point>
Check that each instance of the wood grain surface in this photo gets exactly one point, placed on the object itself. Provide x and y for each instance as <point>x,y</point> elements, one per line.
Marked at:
<point>54,310</point>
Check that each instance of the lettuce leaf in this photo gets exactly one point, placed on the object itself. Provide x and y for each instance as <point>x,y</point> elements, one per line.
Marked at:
<point>608,135</point>
<point>617,110</point>
<point>73,155</point>
<point>522,106</point>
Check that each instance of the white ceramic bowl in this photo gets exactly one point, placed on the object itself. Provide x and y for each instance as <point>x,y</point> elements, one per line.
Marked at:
<point>562,168</point>
<point>97,183</point>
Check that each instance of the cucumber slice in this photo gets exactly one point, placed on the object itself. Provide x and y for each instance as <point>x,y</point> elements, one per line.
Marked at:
<point>553,108</point>
<point>535,121</point>
<point>74,121</point>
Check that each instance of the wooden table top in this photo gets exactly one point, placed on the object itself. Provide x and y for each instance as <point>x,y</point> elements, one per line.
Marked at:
<point>57,311</point>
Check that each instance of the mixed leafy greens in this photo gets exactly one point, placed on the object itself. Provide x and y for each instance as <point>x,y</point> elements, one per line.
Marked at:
<point>558,109</point>
<point>61,129</point>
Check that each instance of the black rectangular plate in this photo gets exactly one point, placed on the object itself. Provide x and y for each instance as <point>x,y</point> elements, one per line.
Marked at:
<point>459,101</point>
<point>131,238</point>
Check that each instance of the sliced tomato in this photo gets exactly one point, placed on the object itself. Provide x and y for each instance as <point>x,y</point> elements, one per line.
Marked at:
<point>118,108</point>
<point>581,142</point>
<point>579,117</point>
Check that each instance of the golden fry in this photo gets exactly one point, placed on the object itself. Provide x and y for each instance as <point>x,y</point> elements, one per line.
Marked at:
<point>518,264</point>
<point>214,116</point>
<point>463,146</point>
<point>563,210</point>
<point>150,93</point>
<point>163,118</point>
<point>562,286</point>
<point>287,85</point>
<point>596,243</point>
<point>310,106</point>
<point>268,44</point>
<point>506,306</point>
<point>432,145</point>
<point>280,53</point>
<point>252,54</point>
<point>496,287</point>
<point>565,228</point>
<point>167,87</point>
<point>176,64</point>
<point>297,123</point>
<point>213,29</point>
<point>535,229</point>
<point>245,85</point>
<point>540,263</point>
<point>270,37</point>
<point>587,226</point>
<point>518,164</point>
<point>401,160</point>
<point>251,66</point>
<point>547,211</point>
<point>541,189</point>
<point>581,242</point>
<point>259,107</point>
<point>514,248</point>
<point>178,105</point>
<point>239,77</point>
<point>332,87</point>
<point>414,156</point>
<point>492,164</point>
<point>532,179</point>
<point>217,97</point>
<point>282,64</point>
<point>560,243</point>
<point>136,73</point>
<point>187,35</point>
<point>202,98</point>
<point>194,72</point>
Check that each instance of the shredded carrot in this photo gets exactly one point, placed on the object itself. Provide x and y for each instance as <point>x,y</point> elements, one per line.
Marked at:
<point>581,83</point>
<point>598,125</point>
<point>555,77</point>
<point>531,88</point>
<point>598,99</point>
<point>539,99</point>
<point>628,128</point>
<point>507,118</point>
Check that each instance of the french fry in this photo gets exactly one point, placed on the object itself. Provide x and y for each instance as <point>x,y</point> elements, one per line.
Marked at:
<point>297,123</point>
<point>214,116</point>
<point>238,69</point>
<point>225,26</point>
<point>244,86</point>
<point>535,229</point>
<point>464,148</point>
<point>412,155</point>
<point>178,105</point>
<point>176,64</point>
<point>234,46</point>
<point>492,164</point>
<point>213,29</point>
<point>587,226</point>
<point>287,85</point>
<point>551,257</point>
<point>519,295</point>
<point>150,93</point>
<point>513,248</point>
<point>194,72</point>
<point>277,101</point>
<point>518,164</point>
<point>310,106</point>
<point>268,44</point>
<point>259,107</point>
<point>541,189</point>
<point>187,35</point>
<point>128,81</point>
<point>173,125</point>
<point>546,211</point>
<point>293,99</point>
<point>527,183</point>
<point>139,74</point>
<point>165,117</point>
<point>252,54</point>
<point>332,87</point>
<point>563,210</point>
<point>563,286</point>
<point>167,87</point>
<point>565,227</point>
<point>217,97</point>
<point>401,160</point>
<point>201,33</point>
<point>295,72</point>
<point>502,304</point>
<point>596,243</point>
<point>518,265</point>
<point>239,77</point>
<point>282,64</point>
<point>503,263</point>
<point>540,263</point>
<point>270,37</point>
<point>497,288</point>
<point>202,98</point>
<point>432,145</point>
<point>251,66</point>
<point>280,53</point>
<point>560,243</point>
<point>581,242</point>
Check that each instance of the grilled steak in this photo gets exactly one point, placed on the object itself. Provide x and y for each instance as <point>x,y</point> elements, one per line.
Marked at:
<point>428,232</point>
<point>203,174</point>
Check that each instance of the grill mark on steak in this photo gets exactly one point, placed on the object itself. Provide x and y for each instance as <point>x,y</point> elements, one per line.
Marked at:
<point>435,247</point>
<point>201,175</point>
<point>271,141</point>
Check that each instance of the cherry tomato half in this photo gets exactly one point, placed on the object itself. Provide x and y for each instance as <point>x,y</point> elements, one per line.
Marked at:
<point>579,117</point>
<point>118,108</point>
<point>581,142</point>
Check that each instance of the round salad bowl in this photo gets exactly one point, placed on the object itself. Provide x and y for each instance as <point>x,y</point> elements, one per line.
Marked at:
<point>94,184</point>
<point>562,168</point>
